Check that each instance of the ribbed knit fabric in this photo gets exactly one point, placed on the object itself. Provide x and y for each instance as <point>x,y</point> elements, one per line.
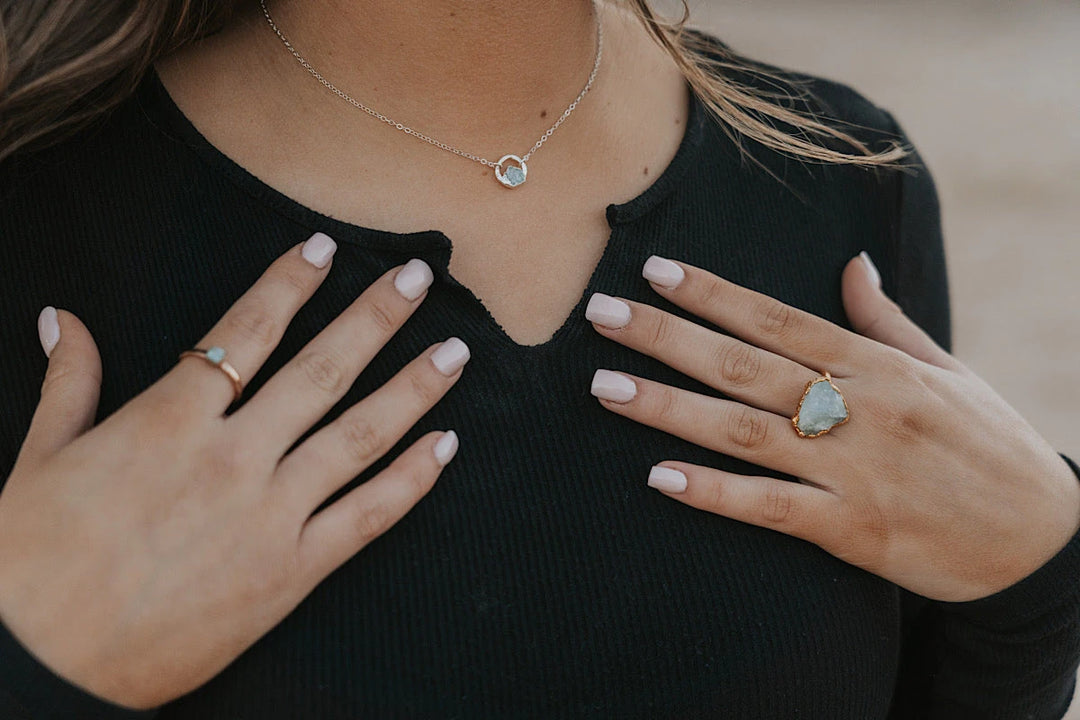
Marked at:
<point>540,578</point>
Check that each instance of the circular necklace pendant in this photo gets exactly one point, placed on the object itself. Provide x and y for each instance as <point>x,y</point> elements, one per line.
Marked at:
<point>513,175</point>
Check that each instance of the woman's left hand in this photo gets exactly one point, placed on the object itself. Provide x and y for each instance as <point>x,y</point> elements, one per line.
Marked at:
<point>935,484</point>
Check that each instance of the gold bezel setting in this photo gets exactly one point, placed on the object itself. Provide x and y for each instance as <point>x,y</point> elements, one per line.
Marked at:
<point>825,377</point>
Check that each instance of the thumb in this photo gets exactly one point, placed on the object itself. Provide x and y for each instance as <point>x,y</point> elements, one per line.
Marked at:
<point>873,314</point>
<point>70,391</point>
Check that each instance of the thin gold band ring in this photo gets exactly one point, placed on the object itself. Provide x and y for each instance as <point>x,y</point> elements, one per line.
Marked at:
<point>216,357</point>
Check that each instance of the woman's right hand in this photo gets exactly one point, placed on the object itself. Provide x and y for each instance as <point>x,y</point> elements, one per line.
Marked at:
<point>139,557</point>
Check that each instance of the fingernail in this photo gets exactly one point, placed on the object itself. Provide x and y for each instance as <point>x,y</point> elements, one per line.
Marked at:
<point>446,447</point>
<point>607,311</point>
<point>667,480</point>
<point>413,279</point>
<point>663,272</point>
<point>608,385</point>
<point>871,269</point>
<point>318,249</point>
<point>449,357</point>
<point>48,326</point>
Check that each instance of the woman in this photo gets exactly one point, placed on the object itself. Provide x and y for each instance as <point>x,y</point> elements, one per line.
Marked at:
<point>907,549</point>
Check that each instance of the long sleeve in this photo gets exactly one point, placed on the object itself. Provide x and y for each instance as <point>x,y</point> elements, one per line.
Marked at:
<point>1012,655</point>
<point>541,578</point>
<point>30,691</point>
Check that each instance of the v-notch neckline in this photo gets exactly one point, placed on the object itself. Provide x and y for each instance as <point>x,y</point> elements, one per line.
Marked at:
<point>433,245</point>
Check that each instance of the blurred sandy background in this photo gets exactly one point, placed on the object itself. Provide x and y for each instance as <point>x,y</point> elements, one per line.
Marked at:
<point>989,91</point>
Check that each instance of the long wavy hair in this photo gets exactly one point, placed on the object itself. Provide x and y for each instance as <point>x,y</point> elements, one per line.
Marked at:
<point>64,63</point>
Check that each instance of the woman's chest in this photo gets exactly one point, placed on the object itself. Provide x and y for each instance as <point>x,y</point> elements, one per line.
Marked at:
<point>541,577</point>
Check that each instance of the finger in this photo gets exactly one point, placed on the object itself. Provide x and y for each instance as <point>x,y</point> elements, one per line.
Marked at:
<point>728,427</point>
<point>758,319</point>
<point>874,315</point>
<point>70,391</point>
<point>312,382</point>
<point>791,508</point>
<point>365,432</point>
<point>333,535</point>
<point>253,326</point>
<point>744,372</point>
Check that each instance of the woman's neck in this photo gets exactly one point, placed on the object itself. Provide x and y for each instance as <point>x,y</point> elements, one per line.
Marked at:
<point>479,80</point>
<point>448,65</point>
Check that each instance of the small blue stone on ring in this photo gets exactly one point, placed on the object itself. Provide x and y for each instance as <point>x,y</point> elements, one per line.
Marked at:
<point>215,354</point>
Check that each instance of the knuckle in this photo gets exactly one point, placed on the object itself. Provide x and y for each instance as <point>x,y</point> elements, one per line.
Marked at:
<point>418,482</point>
<point>864,536</point>
<point>777,507</point>
<point>910,425</point>
<point>424,387</point>
<point>748,428</point>
<point>381,316</point>
<point>885,315</point>
<point>59,378</point>
<point>296,280</point>
<point>902,368</point>
<point>165,413</point>
<point>778,319</point>
<point>370,522</point>
<point>738,365</point>
<point>667,407</point>
<point>873,526</point>
<point>844,545</point>
<point>322,370</point>
<point>712,294</point>
<point>890,366</point>
<point>660,330</point>
<point>362,440</point>
<point>253,322</point>
<point>908,415</point>
<point>716,495</point>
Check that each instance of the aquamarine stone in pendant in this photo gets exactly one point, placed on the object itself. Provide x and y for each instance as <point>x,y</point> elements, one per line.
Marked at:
<point>512,175</point>
<point>821,409</point>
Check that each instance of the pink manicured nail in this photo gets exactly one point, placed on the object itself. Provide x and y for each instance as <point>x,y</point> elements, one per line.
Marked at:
<point>667,480</point>
<point>871,269</point>
<point>413,279</point>
<point>608,385</point>
<point>663,272</point>
<point>446,447</point>
<point>48,329</point>
<point>607,311</point>
<point>318,249</point>
<point>449,357</point>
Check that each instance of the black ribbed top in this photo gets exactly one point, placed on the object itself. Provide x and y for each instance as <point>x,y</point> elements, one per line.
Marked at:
<point>540,578</point>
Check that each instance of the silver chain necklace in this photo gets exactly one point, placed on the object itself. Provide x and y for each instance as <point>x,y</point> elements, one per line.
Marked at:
<point>510,175</point>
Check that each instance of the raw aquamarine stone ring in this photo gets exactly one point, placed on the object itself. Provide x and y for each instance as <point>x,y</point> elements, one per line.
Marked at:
<point>821,409</point>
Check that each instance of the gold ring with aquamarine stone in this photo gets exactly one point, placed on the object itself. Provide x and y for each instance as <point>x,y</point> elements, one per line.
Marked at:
<point>821,409</point>
<point>216,357</point>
